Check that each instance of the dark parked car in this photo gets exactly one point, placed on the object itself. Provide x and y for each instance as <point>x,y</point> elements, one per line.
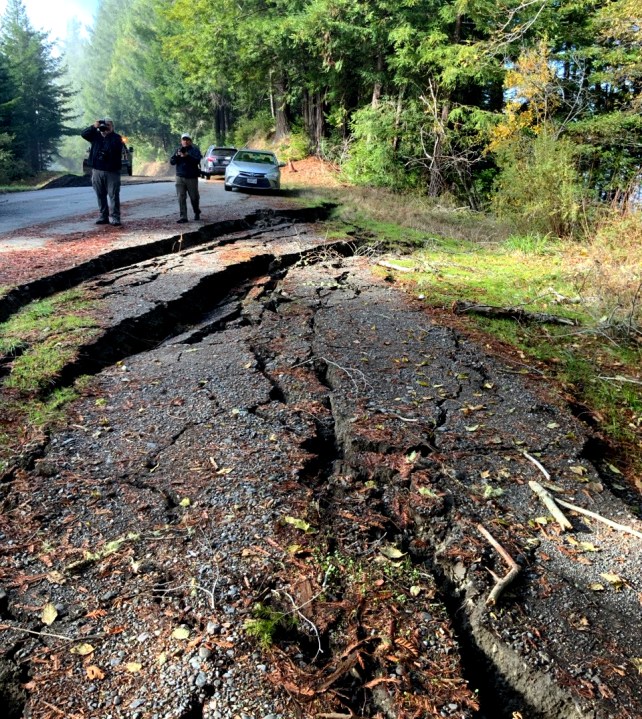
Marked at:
<point>126,167</point>
<point>215,160</point>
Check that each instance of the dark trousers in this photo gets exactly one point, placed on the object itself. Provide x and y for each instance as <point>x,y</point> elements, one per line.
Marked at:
<point>187,186</point>
<point>107,187</point>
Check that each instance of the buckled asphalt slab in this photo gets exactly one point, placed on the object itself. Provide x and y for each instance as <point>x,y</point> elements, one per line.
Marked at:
<point>267,504</point>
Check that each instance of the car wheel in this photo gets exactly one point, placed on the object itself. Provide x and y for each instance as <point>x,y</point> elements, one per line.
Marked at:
<point>207,177</point>
<point>226,187</point>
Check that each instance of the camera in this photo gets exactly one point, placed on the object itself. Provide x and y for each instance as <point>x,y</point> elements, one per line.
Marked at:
<point>102,125</point>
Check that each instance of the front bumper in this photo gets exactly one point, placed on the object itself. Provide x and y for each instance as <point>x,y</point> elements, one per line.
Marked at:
<point>253,181</point>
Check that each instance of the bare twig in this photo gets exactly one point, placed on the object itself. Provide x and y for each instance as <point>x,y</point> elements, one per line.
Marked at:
<point>193,587</point>
<point>538,465</point>
<point>397,416</point>
<point>347,370</point>
<point>500,582</point>
<point>549,502</point>
<point>4,627</point>
<point>600,518</point>
<point>309,622</point>
<point>619,378</point>
<point>59,711</point>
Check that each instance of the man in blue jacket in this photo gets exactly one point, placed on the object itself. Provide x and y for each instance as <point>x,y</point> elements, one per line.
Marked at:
<point>105,158</point>
<point>187,159</point>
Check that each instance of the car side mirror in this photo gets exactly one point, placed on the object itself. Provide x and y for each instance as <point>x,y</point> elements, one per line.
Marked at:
<point>282,164</point>
<point>131,149</point>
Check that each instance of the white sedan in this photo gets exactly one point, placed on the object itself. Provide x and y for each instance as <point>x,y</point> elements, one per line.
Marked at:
<point>253,170</point>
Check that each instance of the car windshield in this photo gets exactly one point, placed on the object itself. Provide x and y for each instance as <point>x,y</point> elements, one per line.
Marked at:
<point>224,151</point>
<point>256,157</point>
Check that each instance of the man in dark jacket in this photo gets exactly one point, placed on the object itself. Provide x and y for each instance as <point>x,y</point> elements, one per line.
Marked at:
<point>187,159</point>
<point>105,158</point>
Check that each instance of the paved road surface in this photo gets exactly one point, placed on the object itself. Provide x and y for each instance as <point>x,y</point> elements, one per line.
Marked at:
<point>30,220</point>
<point>77,205</point>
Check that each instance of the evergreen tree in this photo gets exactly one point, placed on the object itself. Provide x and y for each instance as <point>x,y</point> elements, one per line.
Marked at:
<point>99,99</point>
<point>7,94</point>
<point>72,148</point>
<point>432,94</point>
<point>39,107</point>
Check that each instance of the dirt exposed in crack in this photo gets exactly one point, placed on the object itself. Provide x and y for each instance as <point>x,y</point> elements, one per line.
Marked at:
<point>267,504</point>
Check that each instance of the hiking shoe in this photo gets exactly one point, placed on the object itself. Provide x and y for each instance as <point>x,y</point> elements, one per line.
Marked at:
<point>197,215</point>
<point>116,223</point>
<point>102,222</point>
<point>183,219</point>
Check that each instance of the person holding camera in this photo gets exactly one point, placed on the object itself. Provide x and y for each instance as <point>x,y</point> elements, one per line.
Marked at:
<point>105,158</point>
<point>187,160</point>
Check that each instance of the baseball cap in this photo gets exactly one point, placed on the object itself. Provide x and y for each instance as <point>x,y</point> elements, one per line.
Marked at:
<point>185,136</point>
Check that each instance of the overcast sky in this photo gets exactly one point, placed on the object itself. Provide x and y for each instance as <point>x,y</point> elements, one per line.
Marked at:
<point>52,17</point>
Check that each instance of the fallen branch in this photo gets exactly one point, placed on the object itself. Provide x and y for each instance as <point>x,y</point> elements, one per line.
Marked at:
<point>600,518</point>
<point>393,266</point>
<point>500,582</point>
<point>511,313</point>
<point>549,502</point>
<point>344,667</point>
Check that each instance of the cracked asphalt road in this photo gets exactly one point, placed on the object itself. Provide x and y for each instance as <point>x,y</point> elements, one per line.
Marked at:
<point>266,504</point>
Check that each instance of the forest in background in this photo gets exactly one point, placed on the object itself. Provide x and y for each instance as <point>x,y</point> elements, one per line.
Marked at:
<point>532,108</point>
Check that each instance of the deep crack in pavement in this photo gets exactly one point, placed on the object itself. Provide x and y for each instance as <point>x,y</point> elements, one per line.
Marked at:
<point>266,504</point>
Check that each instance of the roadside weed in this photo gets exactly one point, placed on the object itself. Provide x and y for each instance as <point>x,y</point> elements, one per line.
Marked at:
<point>532,244</point>
<point>266,623</point>
<point>45,336</point>
<point>42,414</point>
<point>36,369</point>
<point>36,344</point>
